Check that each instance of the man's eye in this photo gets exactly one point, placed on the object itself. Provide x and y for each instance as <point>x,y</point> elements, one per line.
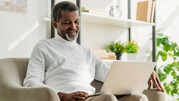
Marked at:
<point>77,22</point>
<point>66,22</point>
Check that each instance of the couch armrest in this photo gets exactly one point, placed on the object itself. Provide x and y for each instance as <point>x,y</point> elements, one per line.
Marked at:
<point>97,85</point>
<point>154,95</point>
<point>28,94</point>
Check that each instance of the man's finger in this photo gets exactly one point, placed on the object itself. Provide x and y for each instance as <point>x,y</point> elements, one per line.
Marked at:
<point>149,84</point>
<point>160,85</point>
<point>156,83</point>
<point>79,98</point>
<point>83,94</point>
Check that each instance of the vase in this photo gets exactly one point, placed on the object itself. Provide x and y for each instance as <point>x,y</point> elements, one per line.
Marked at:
<point>131,56</point>
<point>118,56</point>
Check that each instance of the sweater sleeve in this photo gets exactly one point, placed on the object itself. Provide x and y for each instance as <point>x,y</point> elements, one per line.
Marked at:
<point>101,69</point>
<point>36,68</point>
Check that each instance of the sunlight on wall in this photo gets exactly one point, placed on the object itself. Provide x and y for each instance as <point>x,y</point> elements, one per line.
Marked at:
<point>14,43</point>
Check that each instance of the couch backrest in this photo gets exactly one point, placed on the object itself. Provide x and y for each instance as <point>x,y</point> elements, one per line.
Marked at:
<point>13,71</point>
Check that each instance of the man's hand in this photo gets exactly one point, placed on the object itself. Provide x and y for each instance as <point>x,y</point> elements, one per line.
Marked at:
<point>79,95</point>
<point>154,79</point>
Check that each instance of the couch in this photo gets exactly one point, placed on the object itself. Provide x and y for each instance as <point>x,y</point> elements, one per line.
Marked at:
<point>12,74</point>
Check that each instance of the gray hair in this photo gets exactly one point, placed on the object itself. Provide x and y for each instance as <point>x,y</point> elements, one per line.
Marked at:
<point>62,6</point>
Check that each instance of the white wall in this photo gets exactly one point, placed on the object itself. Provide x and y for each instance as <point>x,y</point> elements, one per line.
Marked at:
<point>168,18</point>
<point>19,32</point>
<point>96,37</point>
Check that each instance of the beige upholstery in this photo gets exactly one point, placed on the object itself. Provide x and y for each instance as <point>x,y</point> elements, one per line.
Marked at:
<point>152,94</point>
<point>12,73</point>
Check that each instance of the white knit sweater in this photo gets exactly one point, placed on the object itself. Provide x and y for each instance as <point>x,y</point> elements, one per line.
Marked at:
<point>64,66</point>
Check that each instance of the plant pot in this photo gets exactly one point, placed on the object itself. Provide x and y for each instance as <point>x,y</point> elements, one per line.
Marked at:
<point>118,56</point>
<point>131,56</point>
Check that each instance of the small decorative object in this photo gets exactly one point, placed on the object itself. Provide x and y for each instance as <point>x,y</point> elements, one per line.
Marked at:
<point>117,48</point>
<point>114,9</point>
<point>131,48</point>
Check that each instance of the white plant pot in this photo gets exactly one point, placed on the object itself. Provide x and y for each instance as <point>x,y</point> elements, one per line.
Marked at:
<point>131,56</point>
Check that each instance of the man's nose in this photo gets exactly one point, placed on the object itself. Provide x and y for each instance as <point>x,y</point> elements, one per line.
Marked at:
<point>73,25</point>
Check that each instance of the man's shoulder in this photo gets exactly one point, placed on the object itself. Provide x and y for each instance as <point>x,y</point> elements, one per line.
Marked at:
<point>44,42</point>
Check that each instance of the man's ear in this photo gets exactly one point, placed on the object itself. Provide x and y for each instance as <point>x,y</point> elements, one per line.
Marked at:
<point>54,24</point>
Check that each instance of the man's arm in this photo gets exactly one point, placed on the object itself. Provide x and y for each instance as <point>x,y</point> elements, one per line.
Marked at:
<point>36,68</point>
<point>101,69</point>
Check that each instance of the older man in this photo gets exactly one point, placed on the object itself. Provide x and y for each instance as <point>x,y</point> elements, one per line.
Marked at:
<point>67,67</point>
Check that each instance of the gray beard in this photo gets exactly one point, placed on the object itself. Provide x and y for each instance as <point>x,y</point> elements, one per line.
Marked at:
<point>69,39</point>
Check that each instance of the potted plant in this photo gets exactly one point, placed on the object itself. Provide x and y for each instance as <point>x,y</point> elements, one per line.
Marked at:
<point>117,48</point>
<point>131,48</point>
<point>168,69</point>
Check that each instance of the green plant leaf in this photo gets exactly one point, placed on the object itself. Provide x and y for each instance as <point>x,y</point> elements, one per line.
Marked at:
<point>167,88</point>
<point>174,74</point>
<point>176,51</point>
<point>170,54</point>
<point>167,69</point>
<point>159,41</point>
<point>131,47</point>
<point>163,55</point>
<point>162,75</point>
<point>174,91</point>
<point>165,41</point>
<point>177,78</point>
<point>116,47</point>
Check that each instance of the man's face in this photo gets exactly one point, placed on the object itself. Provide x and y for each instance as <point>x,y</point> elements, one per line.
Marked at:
<point>68,25</point>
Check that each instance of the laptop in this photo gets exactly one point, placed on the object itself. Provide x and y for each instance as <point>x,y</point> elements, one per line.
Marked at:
<point>126,77</point>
